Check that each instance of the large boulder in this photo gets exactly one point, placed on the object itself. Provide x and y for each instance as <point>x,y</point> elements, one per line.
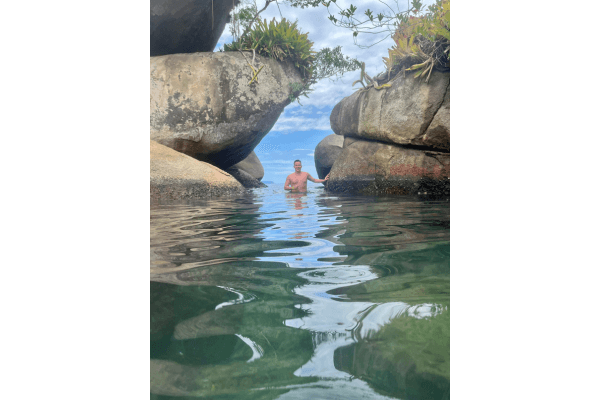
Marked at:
<point>175,176</point>
<point>326,152</point>
<point>187,26</point>
<point>371,167</point>
<point>252,166</point>
<point>203,105</point>
<point>409,112</point>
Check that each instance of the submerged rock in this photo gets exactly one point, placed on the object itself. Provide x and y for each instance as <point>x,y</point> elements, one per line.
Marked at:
<point>379,168</point>
<point>202,104</point>
<point>404,114</point>
<point>175,176</point>
<point>187,26</point>
<point>393,370</point>
<point>326,152</point>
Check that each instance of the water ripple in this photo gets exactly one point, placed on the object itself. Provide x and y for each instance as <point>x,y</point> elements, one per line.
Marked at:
<point>276,272</point>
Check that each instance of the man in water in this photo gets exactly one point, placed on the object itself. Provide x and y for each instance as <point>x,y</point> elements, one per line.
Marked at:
<point>296,182</point>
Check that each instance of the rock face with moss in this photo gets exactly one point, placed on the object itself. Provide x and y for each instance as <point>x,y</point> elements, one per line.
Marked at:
<point>175,176</point>
<point>397,139</point>
<point>203,105</point>
<point>187,26</point>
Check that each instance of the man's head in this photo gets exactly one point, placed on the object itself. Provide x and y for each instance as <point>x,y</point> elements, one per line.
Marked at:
<point>298,165</point>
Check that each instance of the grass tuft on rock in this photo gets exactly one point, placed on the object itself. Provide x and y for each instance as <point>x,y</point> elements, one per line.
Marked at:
<point>281,41</point>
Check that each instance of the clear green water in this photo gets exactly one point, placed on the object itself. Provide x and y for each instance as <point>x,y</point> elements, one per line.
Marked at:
<point>275,295</point>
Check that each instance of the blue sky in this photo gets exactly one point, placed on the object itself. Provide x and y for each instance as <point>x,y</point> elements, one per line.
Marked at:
<point>300,128</point>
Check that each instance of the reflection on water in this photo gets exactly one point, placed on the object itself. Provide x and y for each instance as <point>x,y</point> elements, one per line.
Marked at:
<point>300,295</point>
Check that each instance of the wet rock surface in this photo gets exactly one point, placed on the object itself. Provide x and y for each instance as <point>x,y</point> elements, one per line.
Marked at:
<point>371,167</point>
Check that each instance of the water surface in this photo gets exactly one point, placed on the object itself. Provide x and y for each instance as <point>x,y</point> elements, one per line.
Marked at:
<point>276,295</point>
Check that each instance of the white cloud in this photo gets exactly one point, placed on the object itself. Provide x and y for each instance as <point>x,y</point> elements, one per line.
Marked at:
<point>287,123</point>
<point>311,154</point>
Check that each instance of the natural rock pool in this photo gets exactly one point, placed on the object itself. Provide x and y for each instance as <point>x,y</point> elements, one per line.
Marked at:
<point>275,295</point>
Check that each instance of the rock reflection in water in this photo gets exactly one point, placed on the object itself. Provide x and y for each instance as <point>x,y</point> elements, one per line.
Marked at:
<point>299,295</point>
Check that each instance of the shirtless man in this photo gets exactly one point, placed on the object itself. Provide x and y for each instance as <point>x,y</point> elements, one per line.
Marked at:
<point>297,181</point>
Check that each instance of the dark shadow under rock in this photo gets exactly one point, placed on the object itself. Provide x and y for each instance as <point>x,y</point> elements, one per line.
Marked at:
<point>243,177</point>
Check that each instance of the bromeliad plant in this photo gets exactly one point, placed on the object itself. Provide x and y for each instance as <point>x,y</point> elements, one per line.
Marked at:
<point>282,41</point>
<point>422,41</point>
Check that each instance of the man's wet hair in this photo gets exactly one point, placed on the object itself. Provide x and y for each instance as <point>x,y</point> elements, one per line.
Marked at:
<point>297,161</point>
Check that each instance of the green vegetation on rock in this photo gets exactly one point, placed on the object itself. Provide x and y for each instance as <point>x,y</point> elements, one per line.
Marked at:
<point>281,41</point>
<point>422,41</point>
<point>421,34</point>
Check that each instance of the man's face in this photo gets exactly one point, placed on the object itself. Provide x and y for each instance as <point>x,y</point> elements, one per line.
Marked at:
<point>298,166</point>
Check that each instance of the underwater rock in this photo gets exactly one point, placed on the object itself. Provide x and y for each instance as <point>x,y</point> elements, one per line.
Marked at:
<point>370,167</point>
<point>224,321</point>
<point>410,112</point>
<point>202,104</point>
<point>400,377</point>
<point>187,26</point>
<point>326,152</point>
<point>175,176</point>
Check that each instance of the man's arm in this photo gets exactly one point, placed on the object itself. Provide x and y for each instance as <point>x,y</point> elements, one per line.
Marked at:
<point>287,185</point>
<point>310,178</point>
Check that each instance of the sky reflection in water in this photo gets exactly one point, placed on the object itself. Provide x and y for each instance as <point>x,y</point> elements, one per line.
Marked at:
<point>285,265</point>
